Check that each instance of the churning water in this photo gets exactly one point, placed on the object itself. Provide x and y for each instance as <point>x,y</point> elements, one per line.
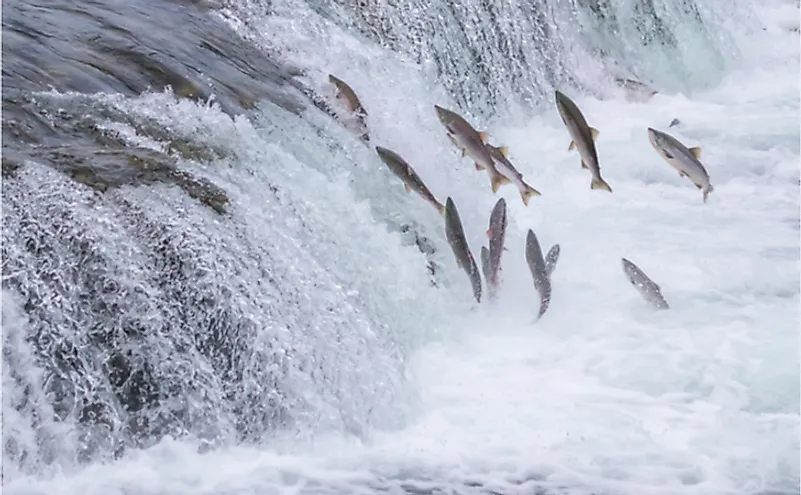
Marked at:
<point>296,342</point>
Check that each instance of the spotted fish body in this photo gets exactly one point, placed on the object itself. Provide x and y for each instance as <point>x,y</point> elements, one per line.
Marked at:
<point>648,289</point>
<point>454,232</point>
<point>539,272</point>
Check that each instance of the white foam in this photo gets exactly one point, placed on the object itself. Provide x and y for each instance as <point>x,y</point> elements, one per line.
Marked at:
<point>603,394</point>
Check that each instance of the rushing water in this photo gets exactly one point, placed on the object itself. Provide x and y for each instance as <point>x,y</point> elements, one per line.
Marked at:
<point>211,286</point>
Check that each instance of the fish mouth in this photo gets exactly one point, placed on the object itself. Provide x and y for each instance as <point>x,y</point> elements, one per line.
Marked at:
<point>654,137</point>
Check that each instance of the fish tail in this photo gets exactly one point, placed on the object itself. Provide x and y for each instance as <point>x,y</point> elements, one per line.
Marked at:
<point>599,183</point>
<point>544,302</point>
<point>527,193</point>
<point>708,190</point>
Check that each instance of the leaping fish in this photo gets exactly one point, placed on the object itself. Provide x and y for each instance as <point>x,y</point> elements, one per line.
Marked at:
<point>505,167</point>
<point>648,289</point>
<point>536,264</point>
<point>583,139</point>
<point>454,232</point>
<point>551,258</point>
<point>346,94</point>
<point>411,181</point>
<point>497,234</point>
<point>685,160</point>
<point>471,142</point>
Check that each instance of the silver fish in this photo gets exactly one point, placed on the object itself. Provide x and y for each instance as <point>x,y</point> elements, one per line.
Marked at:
<point>647,288</point>
<point>454,232</point>
<point>505,167</point>
<point>536,264</point>
<point>346,94</point>
<point>411,181</point>
<point>471,142</point>
<point>583,138</point>
<point>635,90</point>
<point>684,160</point>
<point>551,258</point>
<point>496,233</point>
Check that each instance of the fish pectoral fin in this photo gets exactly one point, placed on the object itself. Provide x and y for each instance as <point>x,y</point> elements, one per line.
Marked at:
<point>464,152</point>
<point>495,184</point>
<point>572,146</point>
<point>594,133</point>
<point>406,186</point>
<point>484,136</point>
<point>682,173</point>
<point>696,151</point>
<point>504,150</point>
<point>668,155</point>
<point>479,167</point>
<point>699,187</point>
<point>583,165</point>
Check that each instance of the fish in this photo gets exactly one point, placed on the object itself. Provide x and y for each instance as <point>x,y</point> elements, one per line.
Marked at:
<point>486,264</point>
<point>454,232</point>
<point>685,160</point>
<point>635,90</point>
<point>649,289</point>
<point>346,94</point>
<point>505,167</point>
<point>536,263</point>
<point>472,143</point>
<point>496,233</point>
<point>411,181</point>
<point>583,139</point>
<point>551,258</point>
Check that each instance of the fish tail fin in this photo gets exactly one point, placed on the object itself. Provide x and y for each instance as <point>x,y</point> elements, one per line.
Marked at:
<point>599,183</point>
<point>708,190</point>
<point>544,302</point>
<point>528,193</point>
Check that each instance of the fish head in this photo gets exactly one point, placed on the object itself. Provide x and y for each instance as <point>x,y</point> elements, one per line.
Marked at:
<point>384,153</point>
<point>499,211</point>
<point>563,104</point>
<point>445,116</point>
<point>658,139</point>
<point>451,218</point>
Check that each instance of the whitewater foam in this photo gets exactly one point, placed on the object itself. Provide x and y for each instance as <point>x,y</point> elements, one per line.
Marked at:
<point>603,395</point>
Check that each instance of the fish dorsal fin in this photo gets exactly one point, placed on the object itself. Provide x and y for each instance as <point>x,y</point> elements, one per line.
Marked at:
<point>504,150</point>
<point>696,151</point>
<point>484,136</point>
<point>594,133</point>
